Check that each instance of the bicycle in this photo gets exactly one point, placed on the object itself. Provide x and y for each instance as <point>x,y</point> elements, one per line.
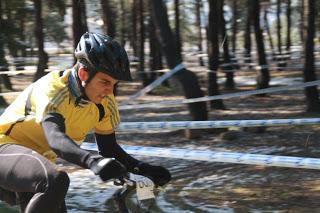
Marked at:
<point>142,186</point>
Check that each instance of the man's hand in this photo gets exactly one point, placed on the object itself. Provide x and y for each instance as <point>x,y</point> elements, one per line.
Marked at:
<point>158,174</point>
<point>107,168</point>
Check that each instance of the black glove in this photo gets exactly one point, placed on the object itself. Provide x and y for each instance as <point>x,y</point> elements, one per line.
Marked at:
<point>106,168</point>
<point>158,174</point>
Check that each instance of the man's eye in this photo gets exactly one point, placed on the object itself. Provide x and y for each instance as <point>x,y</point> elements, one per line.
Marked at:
<point>105,82</point>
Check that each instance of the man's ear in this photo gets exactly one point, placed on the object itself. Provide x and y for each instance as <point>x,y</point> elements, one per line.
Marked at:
<point>83,74</point>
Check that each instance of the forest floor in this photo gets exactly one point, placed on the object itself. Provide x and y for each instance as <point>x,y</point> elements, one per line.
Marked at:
<point>223,187</point>
<point>240,188</point>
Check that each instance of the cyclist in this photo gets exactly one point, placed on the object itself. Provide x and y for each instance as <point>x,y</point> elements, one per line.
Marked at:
<point>51,117</point>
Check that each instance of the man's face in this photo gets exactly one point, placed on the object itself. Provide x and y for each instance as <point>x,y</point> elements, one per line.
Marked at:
<point>99,87</point>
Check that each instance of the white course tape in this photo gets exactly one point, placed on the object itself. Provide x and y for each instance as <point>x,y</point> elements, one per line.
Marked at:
<point>225,96</point>
<point>224,157</point>
<point>10,93</point>
<point>17,72</point>
<point>157,82</point>
<point>175,125</point>
<point>30,70</point>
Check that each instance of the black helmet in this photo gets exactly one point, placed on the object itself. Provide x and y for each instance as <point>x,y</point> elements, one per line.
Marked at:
<point>103,54</point>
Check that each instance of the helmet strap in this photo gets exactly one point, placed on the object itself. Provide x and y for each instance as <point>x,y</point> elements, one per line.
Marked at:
<point>77,88</point>
<point>90,77</point>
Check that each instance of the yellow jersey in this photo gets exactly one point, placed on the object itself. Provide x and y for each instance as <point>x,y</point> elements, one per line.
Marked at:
<point>21,121</point>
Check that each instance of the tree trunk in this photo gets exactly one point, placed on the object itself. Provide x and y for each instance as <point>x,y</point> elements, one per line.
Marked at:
<point>143,76</point>
<point>288,43</point>
<point>247,36</point>
<point>177,24</point>
<point>313,104</point>
<point>22,37</point>
<point>3,61</point>
<point>229,84</point>
<point>133,39</point>
<point>187,79</point>
<point>234,26</point>
<point>280,59</point>
<point>266,23</point>
<point>79,24</point>
<point>123,23</point>
<point>263,76</point>
<point>213,52</point>
<point>21,47</point>
<point>155,52</point>
<point>109,18</point>
<point>302,21</point>
<point>279,27</point>
<point>83,15</point>
<point>42,55</point>
<point>318,25</point>
<point>198,27</point>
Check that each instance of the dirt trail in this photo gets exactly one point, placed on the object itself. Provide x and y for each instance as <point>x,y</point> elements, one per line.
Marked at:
<point>218,187</point>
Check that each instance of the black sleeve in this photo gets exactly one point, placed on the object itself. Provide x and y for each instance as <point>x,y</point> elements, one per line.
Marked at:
<point>109,148</point>
<point>54,130</point>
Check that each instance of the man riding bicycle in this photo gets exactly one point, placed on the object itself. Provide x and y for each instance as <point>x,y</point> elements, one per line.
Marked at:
<point>51,117</point>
